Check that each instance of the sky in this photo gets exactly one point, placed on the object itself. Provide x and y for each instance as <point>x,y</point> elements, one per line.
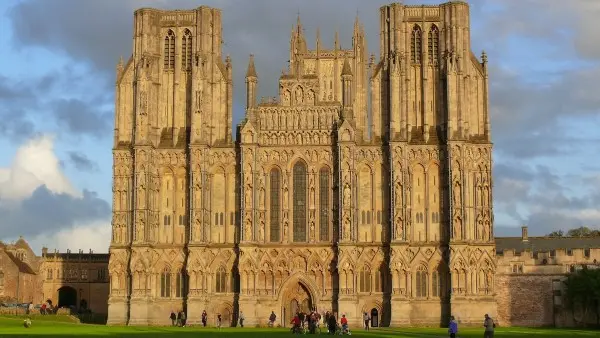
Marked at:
<point>57,75</point>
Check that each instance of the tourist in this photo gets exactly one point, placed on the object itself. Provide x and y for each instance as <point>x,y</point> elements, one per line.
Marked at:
<point>43,309</point>
<point>331,323</point>
<point>178,318</point>
<point>183,318</point>
<point>272,319</point>
<point>489,325</point>
<point>453,327</point>
<point>366,318</point>
<point>344,322</point>
<point>219,321</point>
<point>204,318</point>
<point>242,318</point>
<point>296,323</point>
<point>173,318</point>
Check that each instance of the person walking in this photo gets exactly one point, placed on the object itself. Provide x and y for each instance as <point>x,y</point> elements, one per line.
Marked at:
<point>219,321</point>
<point>242,318</point>
<point>489,325</point>
<point>366,318</point>
<point>173,317</point>
<point>453,327</point>
<point>204,318</point>
<point>183,318</point>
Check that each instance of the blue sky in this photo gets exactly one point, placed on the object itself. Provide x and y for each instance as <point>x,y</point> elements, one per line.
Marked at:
<point>56,103</point>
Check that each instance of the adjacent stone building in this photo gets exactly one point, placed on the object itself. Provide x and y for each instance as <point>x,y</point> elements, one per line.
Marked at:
<point>78,280</point>
<point>529,277</point>
<point>19,280</point>
<point>324,200</point>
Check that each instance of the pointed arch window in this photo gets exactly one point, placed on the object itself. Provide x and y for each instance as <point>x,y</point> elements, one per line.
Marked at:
<point>324,204</point>
<point>186,50</point>
<point>1,278</point>
<point>416,44</point>
<point>221,280</point>
<point>435,284</point>
<point>165,284</point>
<point>299,207</point>
<point>180,284</point>
<point>421,282</point>
<point>433,42</point>
<point>275,205</point>
<point>169,51</point>
<point>365,279</point>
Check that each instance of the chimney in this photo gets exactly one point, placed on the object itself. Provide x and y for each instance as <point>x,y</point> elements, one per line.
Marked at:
<point>44,251</point>
<point>524,235</point>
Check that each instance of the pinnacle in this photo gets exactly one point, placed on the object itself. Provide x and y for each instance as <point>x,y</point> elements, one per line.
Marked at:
<point>251,72</point>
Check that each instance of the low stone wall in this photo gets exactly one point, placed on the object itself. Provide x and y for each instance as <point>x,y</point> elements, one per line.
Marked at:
<point>525,300</point>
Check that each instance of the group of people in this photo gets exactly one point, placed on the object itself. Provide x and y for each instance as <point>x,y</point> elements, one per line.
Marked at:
<point>311,323</point>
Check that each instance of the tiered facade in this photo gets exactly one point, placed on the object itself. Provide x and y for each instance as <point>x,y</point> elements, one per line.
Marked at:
<point>364,187</point>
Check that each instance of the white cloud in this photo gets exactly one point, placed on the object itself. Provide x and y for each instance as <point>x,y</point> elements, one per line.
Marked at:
<point>36,165</point>
<point>95,236</point>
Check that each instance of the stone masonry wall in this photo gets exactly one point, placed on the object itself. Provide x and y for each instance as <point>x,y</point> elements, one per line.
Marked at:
<point>524,300</point>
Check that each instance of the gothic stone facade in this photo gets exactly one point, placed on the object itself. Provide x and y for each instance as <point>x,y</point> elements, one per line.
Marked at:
<point>324,200</point>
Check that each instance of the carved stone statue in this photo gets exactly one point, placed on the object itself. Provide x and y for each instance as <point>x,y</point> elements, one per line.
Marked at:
<point>139,228</point>
<point>312,231</point>
<point>285,197</point>
<point>457,228</point>
<point>248,196</point>
<point>261,231</point>
<point>298,95</point>
<point>261,197</point>
<point>285,230</point>
<point>346,195</point>
<point>286,98</point>
<point>248,229</point>
<point>346,228</point>
<point>398,194</point>
<point>398,225</point>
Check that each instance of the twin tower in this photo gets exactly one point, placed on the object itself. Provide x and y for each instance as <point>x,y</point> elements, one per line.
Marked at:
<point>364,186</point>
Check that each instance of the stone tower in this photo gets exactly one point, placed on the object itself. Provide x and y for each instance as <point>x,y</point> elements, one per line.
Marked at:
<point>328,199</point>
<point>173,105</point>
<point>430,105</point>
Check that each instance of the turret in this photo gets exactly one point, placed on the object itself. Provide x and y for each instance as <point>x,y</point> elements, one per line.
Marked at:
<point>251,83</point>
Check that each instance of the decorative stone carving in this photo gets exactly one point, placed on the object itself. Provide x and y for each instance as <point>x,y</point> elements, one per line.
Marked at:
<point>347,196</point>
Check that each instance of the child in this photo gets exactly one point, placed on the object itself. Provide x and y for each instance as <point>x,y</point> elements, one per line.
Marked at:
<point>453,327</point>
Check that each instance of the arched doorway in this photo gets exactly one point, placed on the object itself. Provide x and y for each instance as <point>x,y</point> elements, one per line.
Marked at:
<point>374,317</point>
<point>67,297</point>
<point>296,298</point>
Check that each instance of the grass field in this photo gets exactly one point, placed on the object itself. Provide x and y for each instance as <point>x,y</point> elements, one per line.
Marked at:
<point>13,327</point>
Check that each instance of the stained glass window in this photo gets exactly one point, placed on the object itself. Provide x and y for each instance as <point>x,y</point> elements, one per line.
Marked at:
<point>324,204</point>
<point>275,205</point>
<point>299,203</point>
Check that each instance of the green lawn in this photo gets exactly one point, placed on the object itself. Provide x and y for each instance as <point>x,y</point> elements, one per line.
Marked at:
<point>13,327</point>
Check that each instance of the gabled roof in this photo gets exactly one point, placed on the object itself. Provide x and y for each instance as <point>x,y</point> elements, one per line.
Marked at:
<point>23,267</point>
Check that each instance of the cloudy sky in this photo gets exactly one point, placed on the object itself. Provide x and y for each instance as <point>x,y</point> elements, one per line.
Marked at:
<point>57,69</point>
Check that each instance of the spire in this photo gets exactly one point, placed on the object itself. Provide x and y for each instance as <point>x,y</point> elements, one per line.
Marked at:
<point>356,23</point>
<point>251,72</point>
<point>346,70</point>
<point>318,37</point>
<point>336,40</point>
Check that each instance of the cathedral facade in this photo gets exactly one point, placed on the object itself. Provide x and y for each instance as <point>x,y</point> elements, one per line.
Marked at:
<point>365,186</point>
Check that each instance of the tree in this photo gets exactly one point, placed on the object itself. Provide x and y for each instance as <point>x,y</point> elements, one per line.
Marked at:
<point>580,232</point>
<point>583,293</point>
<point>558,233</point>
